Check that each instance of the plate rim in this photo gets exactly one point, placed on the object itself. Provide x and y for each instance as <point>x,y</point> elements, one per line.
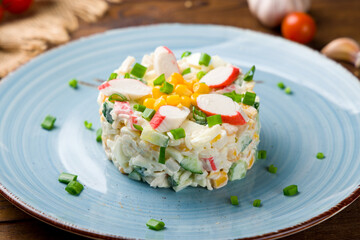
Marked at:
<point>8,195</point>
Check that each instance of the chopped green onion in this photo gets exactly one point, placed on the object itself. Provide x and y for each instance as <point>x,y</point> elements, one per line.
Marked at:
<point>234,96</point>
<point>88,125</point>
<point>200,74</point>
<point>199,116</point>
<point>178,133</point>
<point>137,127</point>
<point>288,90</point>
<point>290,190</point>
<point>185,54</point>
<point>234,200</point>
<point>73,83</point>
<point>272,169</point>
<point>127,75</point>
<point>139,107</point>
<point>320,155</point>
<point>281,85</point>
<point>257,203</point>
<point>186,71</point>
<point>249,98</point>
<point>204,59</point>
<point>107,112</point>
<point>98,135</point>
<point>167,88</point>
<point>155,224</point>
<point>213,120</point>
<point>117,97</point>
<point>162,155</point>
<point>138,70</point>
<point>261,154</point>
<point>256,105</point>
<point>74,188</point>
<point>48,122</point>
<point>159,80</point>
<point>148,114</point>
<point>67,177</point>
<point>250,74</point>
<point>113,76</point>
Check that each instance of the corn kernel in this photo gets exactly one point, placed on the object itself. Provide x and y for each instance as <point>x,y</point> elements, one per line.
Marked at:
<point>180,105</point>
<point>158,103</point>
<point>173,100</point>
<point>149,103</point>
<point>193,98</point>
<point>217,138</point>
<point>156,92</point>
<point>164,97</point>
<point>219,180</point>
<point>182,90</point>
<point>201,88</point>
<point>251,162</point>
<point>190,84</point>
<point>175,79</point>
<point>186,101</point>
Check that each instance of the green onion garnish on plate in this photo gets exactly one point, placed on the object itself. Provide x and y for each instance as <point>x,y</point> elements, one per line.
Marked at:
<point>148,114</point>
<point>186,71</point>
<point>74,188</point>
<point>288,90</point>
<point>204,59</point>
<point>98,135</point>
<point>167,88</point>
<point>155,224</point>
<point>213,120</point>
<point>320,155</point>
<point>250,74</point>
<point>290,190</point>
<point>234,200</point>
<point>272,169</point>
<point>112,76</point>
<point>139,107</point>
<point>138,70</point>
<point>162,155</point>
<point>281,85</point>
<point>87,124</point>
<point>67,177</point>
<point>73,83</point>
<point>261,154</point>
<point>117,97</point>
<point>178,133</point>
<point>200,74</point>
<point>159,80</point>
<point>185,54</point>
<point>257,203</point>
<point>48,122</point>
<point>249,98</point>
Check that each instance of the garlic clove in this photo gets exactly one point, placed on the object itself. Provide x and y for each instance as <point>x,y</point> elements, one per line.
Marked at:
<point>345,49</point>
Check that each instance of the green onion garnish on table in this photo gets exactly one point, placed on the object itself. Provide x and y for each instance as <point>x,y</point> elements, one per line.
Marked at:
<point>320,155</point>
<point>290,190</point>
<point>213,120</point>
<point>74,188</point>
<point>185,54</point>
<point>98,135</point>
<point>73,83</point>
<point>167,88</point>
<point>186,71</point>
<point>112,76</point>
<point>88,125</point>
<point>67,177</point>
<point>178,133</point>
<point>250,74</point>
<point>148,114</point>
<point>257,203</point>
<point>139,107</point>
<point>117,97</point>
<point>48,122</point>
<point>204,59</point>
<point>249,98</point>
<point>234,200</point>
<point>159,80</point>
<point>272,169</point>
<point>162,155</point>
<point>138,70</point>
<point>155,224</point>
<point>200,74</point>
<point>261,154</point>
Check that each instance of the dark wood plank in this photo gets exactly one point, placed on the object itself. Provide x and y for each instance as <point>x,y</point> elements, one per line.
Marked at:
<point>334,19</point>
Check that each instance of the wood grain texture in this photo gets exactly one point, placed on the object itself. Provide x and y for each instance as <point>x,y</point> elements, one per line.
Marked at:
<point>334,19</point>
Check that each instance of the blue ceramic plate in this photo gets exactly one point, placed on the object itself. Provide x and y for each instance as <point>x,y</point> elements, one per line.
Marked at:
<point>322,115</point>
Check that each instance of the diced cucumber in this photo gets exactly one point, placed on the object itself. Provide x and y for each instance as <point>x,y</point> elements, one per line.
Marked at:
<point>150,135</point>
<point>140,170</point>
<point>175,154</point>
<point>172,181</point>
<point>237,170</point>
<point>106,112</point>
<point>245,142</point>
<point>192,164</point>
<point>134,175</point>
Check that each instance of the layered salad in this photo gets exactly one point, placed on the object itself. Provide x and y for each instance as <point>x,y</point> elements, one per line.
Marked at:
<point>179,123</point>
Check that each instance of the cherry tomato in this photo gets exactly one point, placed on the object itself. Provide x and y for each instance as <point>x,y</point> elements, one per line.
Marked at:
<point>298,27</point>
<point>17,6</point>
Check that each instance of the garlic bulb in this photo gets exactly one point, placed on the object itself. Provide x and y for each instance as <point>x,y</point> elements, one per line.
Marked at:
<point>345,49</point>
<point>271,12</point>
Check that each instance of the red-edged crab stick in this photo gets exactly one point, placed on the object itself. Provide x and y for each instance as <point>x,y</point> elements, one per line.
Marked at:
<point>165,62</point>
<point>221,76</point>
<point>168,117</point>
<point>131,88</point>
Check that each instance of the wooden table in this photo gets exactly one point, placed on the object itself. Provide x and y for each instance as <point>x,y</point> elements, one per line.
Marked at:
<point>334,19</point>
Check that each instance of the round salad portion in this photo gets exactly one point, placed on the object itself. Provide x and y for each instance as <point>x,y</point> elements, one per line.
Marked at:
<point>179,123</point>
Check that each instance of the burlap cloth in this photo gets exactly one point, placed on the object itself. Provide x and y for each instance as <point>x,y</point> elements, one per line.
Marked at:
<point>47,23</point>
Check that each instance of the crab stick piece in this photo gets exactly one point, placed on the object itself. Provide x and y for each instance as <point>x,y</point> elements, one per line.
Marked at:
<point>165,62</point>
<point>216,104</point>
<point>131,88</point>
<point>168,117</point>
<point>221,77</point>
